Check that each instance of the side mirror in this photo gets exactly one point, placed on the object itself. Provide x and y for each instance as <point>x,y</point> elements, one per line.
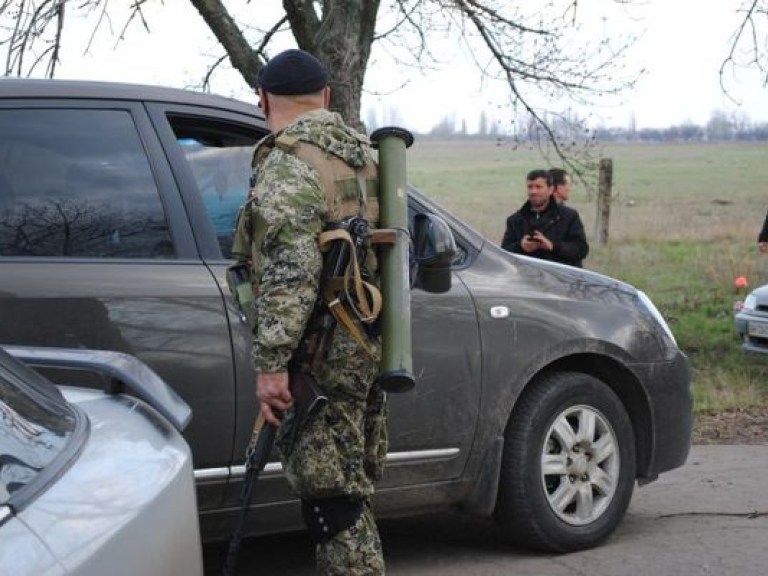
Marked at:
<point>433,249</point>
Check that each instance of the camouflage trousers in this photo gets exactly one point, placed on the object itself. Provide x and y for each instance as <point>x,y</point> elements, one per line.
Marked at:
<point>352,552</point>
<point>341,449</point>
<point>340,452</point>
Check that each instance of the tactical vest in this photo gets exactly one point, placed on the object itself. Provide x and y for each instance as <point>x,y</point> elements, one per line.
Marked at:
<point>348,193</point>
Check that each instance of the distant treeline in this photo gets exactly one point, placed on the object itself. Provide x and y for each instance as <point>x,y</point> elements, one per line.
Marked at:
<point>684,133</point>
<point>721,127</point>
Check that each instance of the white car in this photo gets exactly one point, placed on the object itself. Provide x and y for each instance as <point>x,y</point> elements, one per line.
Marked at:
<point>94,482</point>
<point>752,321</point>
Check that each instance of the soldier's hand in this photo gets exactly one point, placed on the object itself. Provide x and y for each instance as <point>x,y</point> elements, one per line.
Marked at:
<point>274,394</point>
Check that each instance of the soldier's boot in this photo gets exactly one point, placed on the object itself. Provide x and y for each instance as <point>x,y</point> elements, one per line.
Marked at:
<point>355,551</point>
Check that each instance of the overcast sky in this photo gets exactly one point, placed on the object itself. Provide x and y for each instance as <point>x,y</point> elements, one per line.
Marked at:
<point>682,44</point>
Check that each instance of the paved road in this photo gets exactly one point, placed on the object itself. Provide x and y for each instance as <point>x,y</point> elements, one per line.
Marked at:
<point>692,521</point>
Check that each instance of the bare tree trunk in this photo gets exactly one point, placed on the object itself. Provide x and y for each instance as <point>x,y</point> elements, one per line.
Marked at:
<point>604,195</point>
<point>342,39</point>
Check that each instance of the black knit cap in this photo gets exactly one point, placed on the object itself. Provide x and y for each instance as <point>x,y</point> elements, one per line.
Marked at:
<point>293,72</point>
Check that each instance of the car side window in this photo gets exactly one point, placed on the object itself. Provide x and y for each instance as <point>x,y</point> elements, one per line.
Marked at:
<point>77,183</point>
<point>219,155</point>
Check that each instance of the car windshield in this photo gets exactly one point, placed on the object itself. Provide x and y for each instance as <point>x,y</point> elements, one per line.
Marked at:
<point>35,425</point>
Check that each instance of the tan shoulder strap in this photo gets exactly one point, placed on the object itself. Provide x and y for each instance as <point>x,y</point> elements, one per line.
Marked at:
<point>363,298</point>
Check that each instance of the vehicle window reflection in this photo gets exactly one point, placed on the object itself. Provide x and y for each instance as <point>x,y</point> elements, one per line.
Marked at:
<point>77,183</point>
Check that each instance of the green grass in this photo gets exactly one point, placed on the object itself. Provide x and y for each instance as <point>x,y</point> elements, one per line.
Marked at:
<point>684,222</point>
<point>691,282</point>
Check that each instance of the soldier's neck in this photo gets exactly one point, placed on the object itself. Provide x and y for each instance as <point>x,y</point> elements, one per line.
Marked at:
<point>279,119</point>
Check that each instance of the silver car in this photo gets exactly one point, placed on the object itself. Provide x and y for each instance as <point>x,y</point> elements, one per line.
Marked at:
<point>752,321</point>
<point>93,482</point>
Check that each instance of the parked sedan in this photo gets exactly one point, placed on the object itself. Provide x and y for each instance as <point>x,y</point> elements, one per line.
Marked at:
<point>543,392</point>
<point>752,321</point>
<point>93,482</point>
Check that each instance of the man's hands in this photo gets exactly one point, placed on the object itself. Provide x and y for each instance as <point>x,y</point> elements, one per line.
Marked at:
<point>274,394</point>
<point>536,241</point>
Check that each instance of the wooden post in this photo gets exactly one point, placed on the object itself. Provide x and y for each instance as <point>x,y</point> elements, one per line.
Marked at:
<point>604,195</point>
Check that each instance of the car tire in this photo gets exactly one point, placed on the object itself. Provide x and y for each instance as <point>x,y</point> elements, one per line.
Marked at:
<point>578,427</point>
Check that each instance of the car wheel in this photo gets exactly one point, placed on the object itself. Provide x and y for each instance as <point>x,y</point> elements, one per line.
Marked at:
<point>569,464</point>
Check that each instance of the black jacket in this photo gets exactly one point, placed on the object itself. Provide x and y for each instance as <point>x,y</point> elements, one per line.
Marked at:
<point>560,224</point>
<point>764,232</point>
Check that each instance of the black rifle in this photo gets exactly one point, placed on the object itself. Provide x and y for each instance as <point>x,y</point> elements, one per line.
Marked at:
<point>307,398</point>
<point>256,460</point>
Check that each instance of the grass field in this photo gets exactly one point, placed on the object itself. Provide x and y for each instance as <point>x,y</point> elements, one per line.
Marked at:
<point>684,223</point>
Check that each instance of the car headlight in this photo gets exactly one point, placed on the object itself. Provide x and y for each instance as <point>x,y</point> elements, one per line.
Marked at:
<point>750,303</point>
<point>651,307</point>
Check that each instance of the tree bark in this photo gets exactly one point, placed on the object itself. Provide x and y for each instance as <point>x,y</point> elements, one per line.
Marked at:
<point>342,39</point>
<point>604,196</point>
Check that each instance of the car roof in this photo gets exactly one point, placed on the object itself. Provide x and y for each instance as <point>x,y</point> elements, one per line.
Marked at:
<point>29,88</point>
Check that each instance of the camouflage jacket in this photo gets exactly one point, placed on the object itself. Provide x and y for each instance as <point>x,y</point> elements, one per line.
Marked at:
<point>287,211</point>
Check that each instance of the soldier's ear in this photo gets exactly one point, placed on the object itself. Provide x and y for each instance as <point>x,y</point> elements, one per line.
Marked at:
<point>327,97</point>
<point>263,102</point>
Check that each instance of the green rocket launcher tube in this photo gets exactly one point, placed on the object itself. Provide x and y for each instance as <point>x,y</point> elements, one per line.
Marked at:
<point>396,370</point>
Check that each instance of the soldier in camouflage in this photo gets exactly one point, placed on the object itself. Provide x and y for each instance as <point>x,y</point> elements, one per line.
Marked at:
<point>334,458</point>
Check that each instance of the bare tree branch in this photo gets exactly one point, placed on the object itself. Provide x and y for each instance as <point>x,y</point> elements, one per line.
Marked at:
<point>244,59</point>
<point>749,48</point>
<point>59,14</point>
<point>260,51</point>
<point>530,49</point>
<point>206,83</point>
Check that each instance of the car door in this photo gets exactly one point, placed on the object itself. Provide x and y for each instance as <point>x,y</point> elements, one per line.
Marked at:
<point>432,427</point>
<point>96,252</point>
<point>210,151</point>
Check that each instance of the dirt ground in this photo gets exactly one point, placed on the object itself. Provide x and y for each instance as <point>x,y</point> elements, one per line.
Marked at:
<point>738,427</point>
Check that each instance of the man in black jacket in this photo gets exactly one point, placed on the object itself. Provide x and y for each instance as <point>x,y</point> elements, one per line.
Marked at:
<point>544,229</point>
<point>762,239</point>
